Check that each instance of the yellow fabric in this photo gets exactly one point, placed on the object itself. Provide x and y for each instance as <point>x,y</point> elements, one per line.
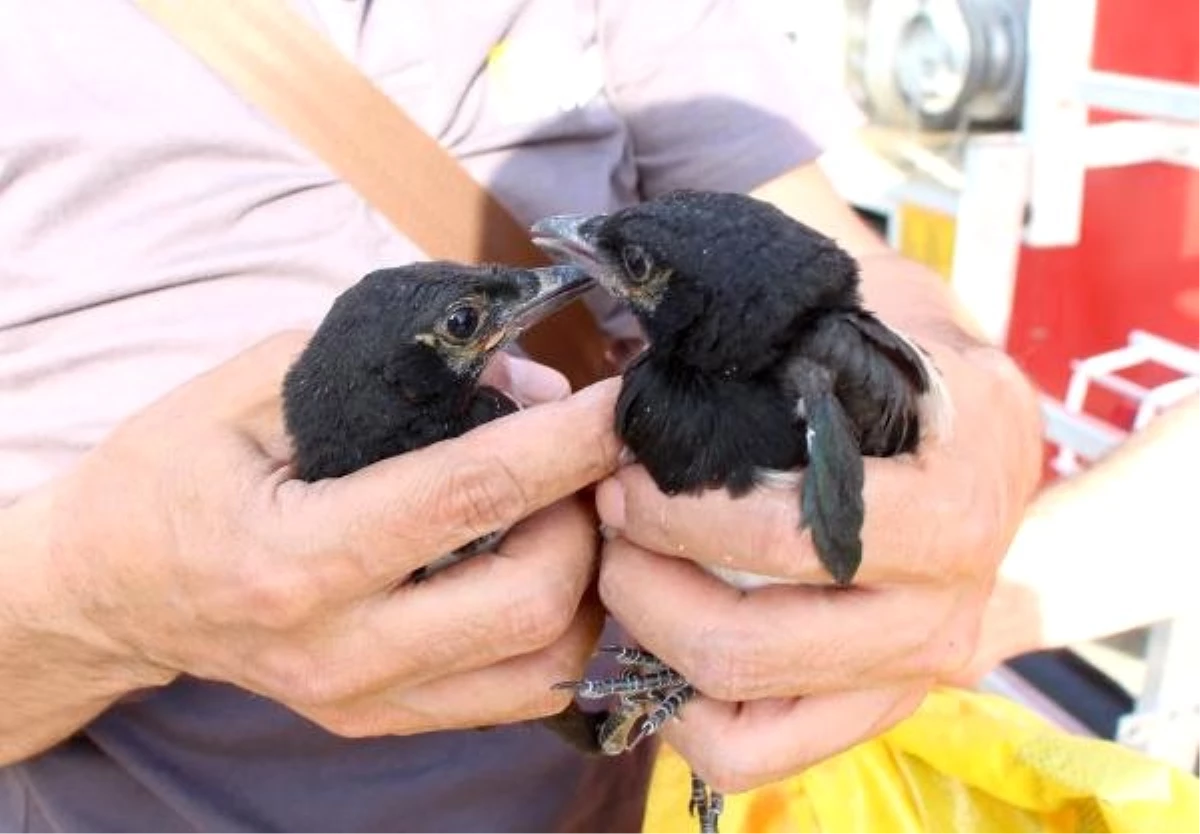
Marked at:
<point>964,762</point>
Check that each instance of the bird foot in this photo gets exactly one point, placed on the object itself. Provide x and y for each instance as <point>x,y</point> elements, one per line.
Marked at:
<point>648,694</point>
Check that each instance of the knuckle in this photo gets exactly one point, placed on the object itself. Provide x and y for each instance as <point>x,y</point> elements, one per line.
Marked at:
<point>723,665</point>
<point>945,649</point>
<point>293,674</point>
<point>957,654</point>
<point>926,660</point>
<point>544,703</point>
<point>352,723</point>
<point>967,533</point>
<point>603,451</point>
<point>981,537</point>
<point>279,600</point>
<point>535,620</point>
<point>483,496</point>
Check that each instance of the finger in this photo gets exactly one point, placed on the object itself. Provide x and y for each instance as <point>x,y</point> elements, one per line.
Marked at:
<point>516,689</point>
<point>400,513</point>
<point>783,640</point>
<point>907,505</point>
<point>737,747</point>
<point>477,613</point>
<point>525,381</point>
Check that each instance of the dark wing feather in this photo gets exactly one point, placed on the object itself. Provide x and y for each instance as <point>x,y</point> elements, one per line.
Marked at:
<point>879,378</point>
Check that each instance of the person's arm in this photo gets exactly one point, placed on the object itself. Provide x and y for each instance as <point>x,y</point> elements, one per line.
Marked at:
<point>1103,551</point>
<point>58,670</point>
<point>181,545</point>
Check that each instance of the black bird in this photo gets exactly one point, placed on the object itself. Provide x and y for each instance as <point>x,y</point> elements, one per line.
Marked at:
<point>761,361</point>
<point>395,365</point>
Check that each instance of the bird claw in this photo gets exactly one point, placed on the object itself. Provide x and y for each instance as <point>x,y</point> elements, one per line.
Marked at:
<point>629,656</point>
<point>595,689</point>
<point>664,710</point>
<point>613,736</point>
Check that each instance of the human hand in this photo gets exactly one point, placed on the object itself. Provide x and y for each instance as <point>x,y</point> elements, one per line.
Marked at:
<point>182,544</point>
<point>791,674</point>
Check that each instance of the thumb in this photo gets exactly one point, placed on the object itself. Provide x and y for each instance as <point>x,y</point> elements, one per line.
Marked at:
<point>528,382</point>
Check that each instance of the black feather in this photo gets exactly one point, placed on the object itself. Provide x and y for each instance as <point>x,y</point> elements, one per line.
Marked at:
<point>693,430</point>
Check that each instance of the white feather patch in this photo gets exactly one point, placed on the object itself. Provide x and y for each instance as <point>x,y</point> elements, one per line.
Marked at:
<point>936,405</point>
<point>777,479</point>
<point>744,580</point>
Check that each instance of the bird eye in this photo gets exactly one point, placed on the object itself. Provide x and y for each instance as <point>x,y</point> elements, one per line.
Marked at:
<point>638,265</point>
<point>463,322</point>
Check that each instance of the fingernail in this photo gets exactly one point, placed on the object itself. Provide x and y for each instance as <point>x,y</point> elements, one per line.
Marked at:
<point>534,383</point>
<point>610,504</point>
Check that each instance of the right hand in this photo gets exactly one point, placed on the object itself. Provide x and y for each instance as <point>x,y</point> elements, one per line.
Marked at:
<point>183,543</point>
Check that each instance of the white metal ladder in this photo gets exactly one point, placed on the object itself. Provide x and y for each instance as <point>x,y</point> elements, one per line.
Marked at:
<point>1165,722</point>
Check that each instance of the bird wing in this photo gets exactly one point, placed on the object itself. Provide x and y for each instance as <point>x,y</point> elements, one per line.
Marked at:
<point>887,385</point>
<point>916,365</point>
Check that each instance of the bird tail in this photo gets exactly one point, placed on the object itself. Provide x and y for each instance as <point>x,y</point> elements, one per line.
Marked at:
<point>831,497</point>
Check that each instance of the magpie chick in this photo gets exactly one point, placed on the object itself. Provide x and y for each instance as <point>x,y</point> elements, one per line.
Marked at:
<point>395,366</point>
<point>761,361</point>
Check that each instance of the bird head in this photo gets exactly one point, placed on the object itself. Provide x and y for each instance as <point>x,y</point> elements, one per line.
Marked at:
<point>720,279</point>
<point>429,328</point>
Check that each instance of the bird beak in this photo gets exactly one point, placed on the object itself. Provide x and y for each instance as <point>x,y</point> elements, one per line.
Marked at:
<point>557,286</point>
<point>570,238</point>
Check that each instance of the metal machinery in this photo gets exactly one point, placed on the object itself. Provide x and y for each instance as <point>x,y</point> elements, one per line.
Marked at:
<point>980,137</point>
<point>982,124</point>
<point>936,64</point>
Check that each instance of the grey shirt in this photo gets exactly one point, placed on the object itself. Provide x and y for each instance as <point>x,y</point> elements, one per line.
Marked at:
<point>152,224</point>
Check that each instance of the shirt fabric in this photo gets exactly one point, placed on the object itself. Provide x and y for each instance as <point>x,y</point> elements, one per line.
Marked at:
<point>153,224</point>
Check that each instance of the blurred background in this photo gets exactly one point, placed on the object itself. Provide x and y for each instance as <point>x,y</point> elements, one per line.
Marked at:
<point>1042,156</point>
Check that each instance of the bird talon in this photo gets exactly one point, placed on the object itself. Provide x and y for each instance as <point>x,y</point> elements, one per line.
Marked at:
<point>627,684</point>
<point>614,732</point>
<point>629,656</point>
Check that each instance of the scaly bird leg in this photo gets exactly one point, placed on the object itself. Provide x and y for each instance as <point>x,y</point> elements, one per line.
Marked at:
<point>649,693</point>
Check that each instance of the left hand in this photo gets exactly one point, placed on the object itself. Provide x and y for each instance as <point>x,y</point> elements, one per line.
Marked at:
<point>792,674</point>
